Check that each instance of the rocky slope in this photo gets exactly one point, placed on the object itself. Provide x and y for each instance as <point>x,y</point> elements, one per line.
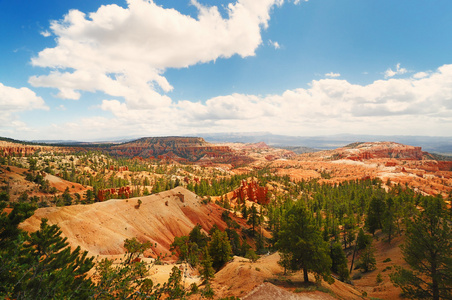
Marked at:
<point>102,227</point>
<point>360,151</point>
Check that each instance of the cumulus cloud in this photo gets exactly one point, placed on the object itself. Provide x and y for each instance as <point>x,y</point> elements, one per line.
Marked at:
<point>398,71</point>
<point>13,101</point>
<point>399,106</point>
<point>19,99</point>
<point>124,52</point>
<point>332,75</point>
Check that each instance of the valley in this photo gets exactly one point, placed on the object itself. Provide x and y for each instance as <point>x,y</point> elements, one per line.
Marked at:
<point>157,190</point>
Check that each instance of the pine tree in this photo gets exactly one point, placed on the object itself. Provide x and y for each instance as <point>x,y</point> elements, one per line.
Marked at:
<point>389,219</point>
<point>428,251</point>
<point>206,271</point>
<point>11,240</point>
<point>126,278</point>
<point>67,199</point>
<point>198,237</point>
<point>302,239</point>
<point>173,288</point>
<point>50,269</point>
<point>339,261</point>
<point>367,260</point>
<point>219,249</point>
<point>375,214</point>
<point>134,248</point>
<point>253,218</point>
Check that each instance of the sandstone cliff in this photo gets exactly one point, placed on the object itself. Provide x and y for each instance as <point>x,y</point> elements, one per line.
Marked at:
<point>180,149</point>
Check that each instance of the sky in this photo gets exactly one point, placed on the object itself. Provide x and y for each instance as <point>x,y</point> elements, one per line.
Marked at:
<point>95,70</point>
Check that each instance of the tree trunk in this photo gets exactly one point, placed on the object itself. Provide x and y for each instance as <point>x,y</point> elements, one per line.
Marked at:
<point>353,258</point>
<point>305,275</point>
<point>435,287</point>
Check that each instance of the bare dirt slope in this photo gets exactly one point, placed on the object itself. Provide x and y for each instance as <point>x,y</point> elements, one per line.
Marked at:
<point>101,228</point>
<point>14,178</point>
<point>265,279</point>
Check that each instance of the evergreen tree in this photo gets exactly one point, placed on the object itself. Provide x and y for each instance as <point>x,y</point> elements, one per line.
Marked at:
<point>219,249</point>
<point>253,218</point>
<point>375,214</point>
<point>367,260</point>
<point>303,240</point>
<point>134,248</point>
<point>198,237</point>
<point>389,219</point>
<point>339,261</point>
<point>173,288</point>
<point>206,271</point>
<point>125,279</point>
<point>428,251</point>
<point>49,269</point>
<point>363,240</point>
<point>11,240</point>
<point>67,199</point>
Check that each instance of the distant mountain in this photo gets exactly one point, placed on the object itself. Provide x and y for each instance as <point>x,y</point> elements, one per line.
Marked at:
<point>434,144</point>
<point>181,149</point>
<point>298,150</point>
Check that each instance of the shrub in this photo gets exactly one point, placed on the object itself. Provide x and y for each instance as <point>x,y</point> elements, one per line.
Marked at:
<point>379,278</point>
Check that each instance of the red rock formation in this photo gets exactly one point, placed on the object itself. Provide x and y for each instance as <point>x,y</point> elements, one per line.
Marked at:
<point>119,169</point>
<point>251,191</point>
<point>179,149</point>
<point>122,192</point>
<point>380,150</point>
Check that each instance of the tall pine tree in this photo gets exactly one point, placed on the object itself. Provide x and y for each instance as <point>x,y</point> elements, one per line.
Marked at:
<point>49,269</point>
<point>428,251</point>
<point>302,241</point>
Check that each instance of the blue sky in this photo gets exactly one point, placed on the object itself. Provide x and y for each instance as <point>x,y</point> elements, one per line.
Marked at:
<point>97,70</point>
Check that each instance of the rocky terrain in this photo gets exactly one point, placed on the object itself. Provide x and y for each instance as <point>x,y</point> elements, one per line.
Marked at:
<point>178,149</point>
<point>102,227</point>
<point>391,162</point>
<point>146,189</point>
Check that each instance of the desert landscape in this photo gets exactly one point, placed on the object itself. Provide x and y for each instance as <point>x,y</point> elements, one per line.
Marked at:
<point>157,191</point>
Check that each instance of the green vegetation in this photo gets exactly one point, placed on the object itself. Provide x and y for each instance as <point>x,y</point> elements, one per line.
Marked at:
<point>302,241</point>
<point>41,265</point>
<point>428,251</point>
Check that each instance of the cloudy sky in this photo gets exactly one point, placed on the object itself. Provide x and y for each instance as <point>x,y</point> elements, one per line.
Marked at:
<point>98,69</point>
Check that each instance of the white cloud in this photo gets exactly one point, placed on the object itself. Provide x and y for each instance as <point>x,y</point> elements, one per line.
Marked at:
<point>332,75</point>
<point>274,44</point>
<point>45,33</point>
<point>13,101</point>
<point>19,99</point>
<point>399,71</point>
<point>420,75</point>
<point>394,106</point>
<point>124,52</point>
